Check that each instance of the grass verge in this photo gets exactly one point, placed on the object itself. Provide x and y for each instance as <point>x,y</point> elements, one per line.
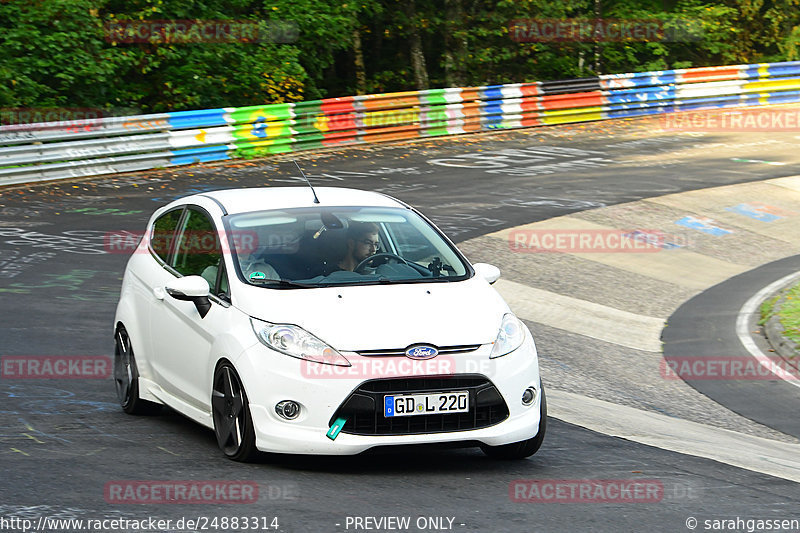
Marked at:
<point>789,314</point>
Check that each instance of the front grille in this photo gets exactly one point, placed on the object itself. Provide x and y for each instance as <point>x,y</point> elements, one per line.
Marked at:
<point>445,350</point>
<point>363,409</point>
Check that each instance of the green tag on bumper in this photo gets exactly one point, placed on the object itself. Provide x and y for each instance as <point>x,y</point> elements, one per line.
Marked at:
<point>336,428</point>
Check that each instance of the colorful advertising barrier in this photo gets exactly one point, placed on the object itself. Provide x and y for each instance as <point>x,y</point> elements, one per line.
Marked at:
<point>103,145</point>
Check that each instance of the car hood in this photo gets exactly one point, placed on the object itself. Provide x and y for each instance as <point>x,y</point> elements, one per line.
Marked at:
<point>374,317</point>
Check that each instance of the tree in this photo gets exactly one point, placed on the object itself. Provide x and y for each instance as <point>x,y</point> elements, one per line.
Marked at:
<point>52,54</point>
<point>63,53</point>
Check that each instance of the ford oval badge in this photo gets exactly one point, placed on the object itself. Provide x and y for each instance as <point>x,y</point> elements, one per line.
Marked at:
<point>422,352</point>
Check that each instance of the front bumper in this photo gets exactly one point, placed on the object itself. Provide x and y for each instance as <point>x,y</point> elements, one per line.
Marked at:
<point>270,378</point>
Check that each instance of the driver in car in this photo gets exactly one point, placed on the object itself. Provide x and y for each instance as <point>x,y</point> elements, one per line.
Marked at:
<point>362,242</point>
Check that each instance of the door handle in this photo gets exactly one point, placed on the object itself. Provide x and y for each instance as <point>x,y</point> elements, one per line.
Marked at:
<point>159,293</point>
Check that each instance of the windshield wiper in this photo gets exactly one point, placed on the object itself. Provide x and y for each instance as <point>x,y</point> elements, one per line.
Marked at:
<point>400,281</point>
<point>285,283</point>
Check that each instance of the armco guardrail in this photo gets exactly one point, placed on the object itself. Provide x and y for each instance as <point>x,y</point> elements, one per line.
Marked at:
<point>44,151</point>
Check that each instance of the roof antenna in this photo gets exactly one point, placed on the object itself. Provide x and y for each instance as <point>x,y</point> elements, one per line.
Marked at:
<point>316,200</point>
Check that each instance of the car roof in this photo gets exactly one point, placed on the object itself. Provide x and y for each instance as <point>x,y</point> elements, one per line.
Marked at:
<point>262,198</point>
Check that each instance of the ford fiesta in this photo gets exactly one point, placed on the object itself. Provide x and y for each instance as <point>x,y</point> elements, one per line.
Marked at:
<point>327,322</point>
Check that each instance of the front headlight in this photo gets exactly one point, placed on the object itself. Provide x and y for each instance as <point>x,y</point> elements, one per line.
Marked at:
<point>510,337</point>
<point>296,342</point>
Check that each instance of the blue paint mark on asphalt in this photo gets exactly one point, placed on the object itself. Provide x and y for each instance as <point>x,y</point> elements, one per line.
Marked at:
<point>653,238</point>
<point>753,212</point>
<point>704,224</point>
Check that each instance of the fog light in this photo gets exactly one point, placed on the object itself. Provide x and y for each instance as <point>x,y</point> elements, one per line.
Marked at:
<point>529,396</point>
<point>288,409</point>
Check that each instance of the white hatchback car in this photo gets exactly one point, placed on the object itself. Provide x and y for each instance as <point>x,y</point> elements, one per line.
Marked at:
<point>293,324</point>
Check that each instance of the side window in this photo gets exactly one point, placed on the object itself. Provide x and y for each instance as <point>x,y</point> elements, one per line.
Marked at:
<point>163,232</point>
<point>197,250</point>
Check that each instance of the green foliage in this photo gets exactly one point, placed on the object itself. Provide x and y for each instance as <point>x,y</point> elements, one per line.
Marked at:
<point>696,33</point>
<point>52,54</point>
<point>789,314</point>
<point>58,53</point>
<point>768,309</point>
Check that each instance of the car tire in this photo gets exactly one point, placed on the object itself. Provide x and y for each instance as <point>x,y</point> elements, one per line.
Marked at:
<point>233,425</point>
<point>522,449</point>
<point>126,377</point>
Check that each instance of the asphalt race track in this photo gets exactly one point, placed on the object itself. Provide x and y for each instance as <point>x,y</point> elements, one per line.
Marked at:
<point>63,441</point>
<point>715,310</point>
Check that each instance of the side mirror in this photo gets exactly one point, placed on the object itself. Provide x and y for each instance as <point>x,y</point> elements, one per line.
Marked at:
<point>488,272</point>
<point>191,289</point>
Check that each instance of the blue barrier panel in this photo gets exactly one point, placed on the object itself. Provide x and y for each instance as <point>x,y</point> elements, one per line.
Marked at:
<point>492,92</point>
<point>784,97</point>
<point>639,112</point>
<point>205,118</point>
<point>644,79</point>
<point>787,68</point>
<point>491,110</point>
<point>713,102</point>
<point>200,155</point>
<point>657,93</point>
<point>751,71</point>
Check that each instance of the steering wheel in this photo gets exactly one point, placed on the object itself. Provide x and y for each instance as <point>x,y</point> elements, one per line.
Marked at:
<point>382,255</point>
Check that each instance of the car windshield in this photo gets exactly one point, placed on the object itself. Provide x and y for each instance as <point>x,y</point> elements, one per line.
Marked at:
<point>325,246</point>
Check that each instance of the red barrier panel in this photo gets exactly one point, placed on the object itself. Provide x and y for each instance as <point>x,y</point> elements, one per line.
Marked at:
<point>566,101</point>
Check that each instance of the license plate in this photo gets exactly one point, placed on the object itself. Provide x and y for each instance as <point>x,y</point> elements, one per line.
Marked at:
<point>426,404</point>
